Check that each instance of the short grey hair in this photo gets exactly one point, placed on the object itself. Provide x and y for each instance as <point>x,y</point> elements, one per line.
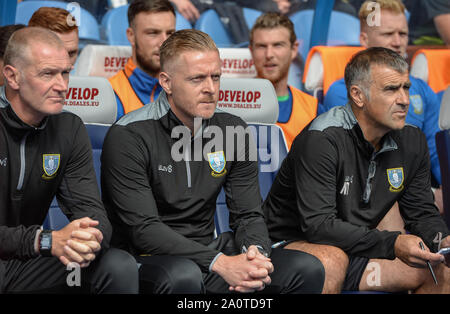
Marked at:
<point>357,71</point>
<point>18,45</point>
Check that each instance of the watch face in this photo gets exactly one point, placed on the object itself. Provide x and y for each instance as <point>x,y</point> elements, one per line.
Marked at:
<point>45,242</point>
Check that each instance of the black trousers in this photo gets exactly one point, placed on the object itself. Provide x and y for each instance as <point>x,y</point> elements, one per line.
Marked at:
<point>113,271</point>
<point>294,272</point>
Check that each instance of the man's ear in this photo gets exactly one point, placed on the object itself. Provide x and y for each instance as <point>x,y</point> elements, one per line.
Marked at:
<point>364,39</point>
<point>357,96</point>
<point>131,36</point>
<point>12,76</point>
<point>294,50</point>
<point>165,82</point>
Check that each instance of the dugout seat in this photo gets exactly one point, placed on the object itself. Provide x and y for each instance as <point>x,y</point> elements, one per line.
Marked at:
<point>101,60</point>
<point>272,149</point>
<point>324,66</point>
<point>250,16</point>
<point>209,22</point>
<point>252,99</point>
<point>237,63</point>
<point>88,28</point>
<point>98,111</point>
<point>432,66</point>
<point>261,114</point>
<point>343,30</point>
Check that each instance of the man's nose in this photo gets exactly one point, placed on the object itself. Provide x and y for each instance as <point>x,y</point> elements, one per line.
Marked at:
<point>269,52</point>
<point>61,83</point>
<point>403,97</point>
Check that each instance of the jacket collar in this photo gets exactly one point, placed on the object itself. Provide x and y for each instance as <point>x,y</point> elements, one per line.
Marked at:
<point>170,120</point>
<point>11,119</point>
<point>387,142</point>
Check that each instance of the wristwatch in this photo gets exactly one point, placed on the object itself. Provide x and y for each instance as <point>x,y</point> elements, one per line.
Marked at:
<point>45,243</point>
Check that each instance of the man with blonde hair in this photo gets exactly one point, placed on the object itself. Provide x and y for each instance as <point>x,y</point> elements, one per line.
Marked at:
<point>383,24</point>
<point>161,199</point>
<point>62,23</point>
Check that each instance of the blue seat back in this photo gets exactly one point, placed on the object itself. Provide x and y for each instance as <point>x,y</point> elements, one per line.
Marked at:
<point>250,16</point>
<point>181,22</point>
<point>272,149</point>
<point>114,26</point>
<point>88,27</point>
<point>97,133</point>
<point>302,21</point>
<point>209,22</point>
<point>344,30</point>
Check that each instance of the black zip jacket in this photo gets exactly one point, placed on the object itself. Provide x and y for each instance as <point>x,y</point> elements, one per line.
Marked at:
<point>333,188</point>
<point>35,165</point>
<point>161,204</point>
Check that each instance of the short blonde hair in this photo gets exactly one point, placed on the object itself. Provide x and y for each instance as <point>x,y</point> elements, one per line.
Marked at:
<point>184,40</point>
<point>394,6</point>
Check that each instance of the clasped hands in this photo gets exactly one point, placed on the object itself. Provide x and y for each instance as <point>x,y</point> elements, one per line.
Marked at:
<point>246,272</point>
<point>77,242</point>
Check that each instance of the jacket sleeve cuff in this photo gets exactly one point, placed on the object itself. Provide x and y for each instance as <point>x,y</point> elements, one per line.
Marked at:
<point>213,261</point>
<point>36,240</point>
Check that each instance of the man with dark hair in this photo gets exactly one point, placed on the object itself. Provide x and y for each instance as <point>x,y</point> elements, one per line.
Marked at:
<point>274,45</point>
<point>392,33</point>
<point>161,199</point>
<point>5,34</point>
<point>46,153</point>
<point>60,22</point>
<point>150,23</point>
<point>344,173</point>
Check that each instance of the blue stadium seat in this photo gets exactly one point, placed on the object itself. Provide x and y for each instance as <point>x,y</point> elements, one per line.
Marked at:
<point>88,28</point>
<point>181,22</point>
<point>115,23</point>
<point>250,16</point>
<point>209,22</point>
<point>303,26</point>
<point>343,30</point>
<point>272,149</point>
<point>55,219</point>
<point>97,133</point>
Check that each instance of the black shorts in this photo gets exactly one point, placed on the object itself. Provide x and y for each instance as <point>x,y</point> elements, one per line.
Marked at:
<point>356,267</point>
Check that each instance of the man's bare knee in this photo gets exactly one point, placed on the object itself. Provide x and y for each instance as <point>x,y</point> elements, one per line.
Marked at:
<point>392,276</point>
<point>334,260</point>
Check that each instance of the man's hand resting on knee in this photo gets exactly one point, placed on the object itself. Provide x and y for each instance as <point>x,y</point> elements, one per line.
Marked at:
<point>77,242</point>
<point>246,272</point>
